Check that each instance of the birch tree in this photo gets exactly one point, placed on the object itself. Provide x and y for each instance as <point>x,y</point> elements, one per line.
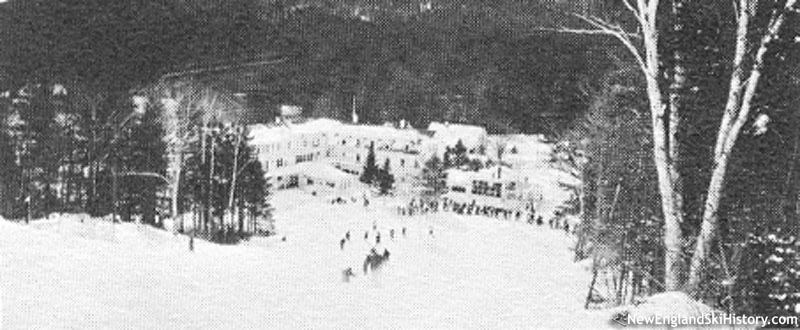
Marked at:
<point>738,108</point>
<point>186,106</point>
<point>665,114</point>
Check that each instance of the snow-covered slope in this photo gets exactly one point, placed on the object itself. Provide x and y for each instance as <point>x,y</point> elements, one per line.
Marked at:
<point>473,272</point>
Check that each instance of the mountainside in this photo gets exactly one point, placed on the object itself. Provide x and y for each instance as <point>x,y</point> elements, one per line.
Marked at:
<point>482,62</point>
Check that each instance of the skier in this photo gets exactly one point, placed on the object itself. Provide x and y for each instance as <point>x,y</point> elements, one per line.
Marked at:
<point>347,274</point>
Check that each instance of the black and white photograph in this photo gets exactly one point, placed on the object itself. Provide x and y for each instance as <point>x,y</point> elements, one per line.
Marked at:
<point>399,164</point>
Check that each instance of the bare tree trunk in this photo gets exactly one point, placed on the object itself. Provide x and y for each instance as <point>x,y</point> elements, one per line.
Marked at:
<point>663,147</point>
<point>673,237</point>
<point>234,172</point>
<point>203,185</point>
<point>732,121</point>
<point>592,284</point>
<point>114,194</point>
<point>209,190</point>
<point>175,191</point>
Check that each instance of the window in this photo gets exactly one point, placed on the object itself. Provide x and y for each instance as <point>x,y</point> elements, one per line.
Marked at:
<point>416,164</point>
<point>480,187</point>
<point>344,142</point>
<point>483,188</point>
<point>304,158</point>
<point>402,162</point>
<point>358,157</point>
<point>294,181</point>
<point>496,190</point>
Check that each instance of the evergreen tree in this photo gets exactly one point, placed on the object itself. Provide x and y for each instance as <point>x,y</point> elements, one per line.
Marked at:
<point>370,171</point>
<point>433,178</point>
<point>252,193</point>
<point>447,161</point>
<point>35,138</point>
<point>460,157</point>
<point>141,165</point>
<point>385,179</point>
<point>191,191</point>
<point>9,171</point>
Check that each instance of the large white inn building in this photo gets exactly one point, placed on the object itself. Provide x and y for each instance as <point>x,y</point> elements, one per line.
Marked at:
<point>324,155</point>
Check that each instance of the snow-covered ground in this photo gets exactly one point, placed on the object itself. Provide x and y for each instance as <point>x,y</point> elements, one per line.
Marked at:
<point>474,272</point>
<point>75,272</point>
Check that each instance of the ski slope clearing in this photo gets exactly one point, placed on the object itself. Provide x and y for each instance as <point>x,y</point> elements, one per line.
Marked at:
<point>472,272</point>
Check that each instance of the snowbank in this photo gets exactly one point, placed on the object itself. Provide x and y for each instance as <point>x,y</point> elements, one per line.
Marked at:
<point>473,272</point>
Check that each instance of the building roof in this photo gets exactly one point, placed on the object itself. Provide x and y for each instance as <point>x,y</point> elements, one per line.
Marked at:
<point>450,134</point>
<point>266,133</point>
<point>316,170</point>
<point>270,133</point>
<point>488,174</point>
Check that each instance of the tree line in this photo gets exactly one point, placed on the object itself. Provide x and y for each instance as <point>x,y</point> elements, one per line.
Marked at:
<point>66,149</point>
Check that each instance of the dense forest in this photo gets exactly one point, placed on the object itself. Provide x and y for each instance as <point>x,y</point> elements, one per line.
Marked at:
<point>498,64</point>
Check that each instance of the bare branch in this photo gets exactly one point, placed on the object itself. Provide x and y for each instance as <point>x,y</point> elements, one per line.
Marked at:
<point>630,7</point>
<point>621,35</point>
<point>579,31</point>
<point>635,11</point>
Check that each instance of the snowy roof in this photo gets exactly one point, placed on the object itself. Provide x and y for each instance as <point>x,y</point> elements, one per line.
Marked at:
<point>384,132</point>
<point>316,170</point>
<point>471,136</point>
<point>267,134</point>
<point>486,174</point>
<point>316,126</point>
<point>270,133</point>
